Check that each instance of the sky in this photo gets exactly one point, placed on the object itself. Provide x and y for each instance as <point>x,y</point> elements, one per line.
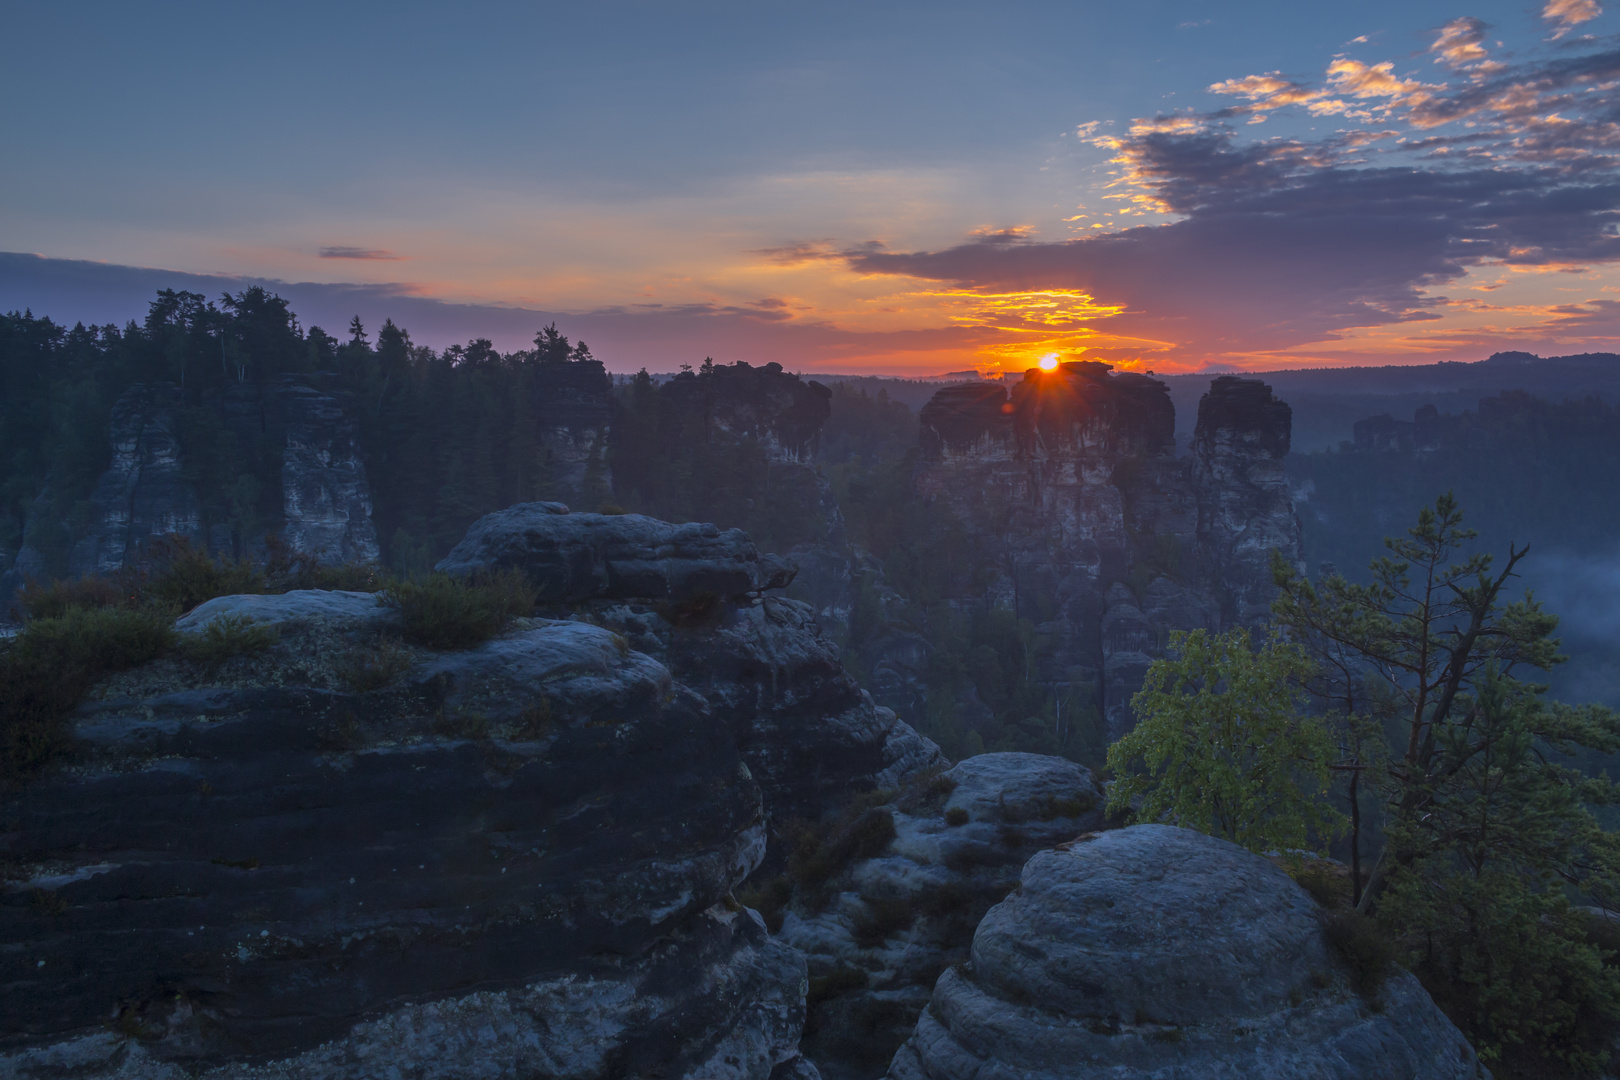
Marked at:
<point>1170,185</point>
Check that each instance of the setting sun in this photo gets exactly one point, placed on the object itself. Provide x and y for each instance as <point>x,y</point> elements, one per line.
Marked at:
<point>1049,362</point>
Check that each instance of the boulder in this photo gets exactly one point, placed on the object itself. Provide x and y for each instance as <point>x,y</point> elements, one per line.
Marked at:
<point>880,931</point>
<point>577,557</point>
<point>299,605</point>
<point>1159,952</point>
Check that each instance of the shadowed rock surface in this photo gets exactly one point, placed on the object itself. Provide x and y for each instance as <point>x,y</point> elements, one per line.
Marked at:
<point>511,860</point>
<point>242,870</point>
<point>1158,952</point>
<point>681,594</point>
<point>575,557</point>
<point>880,930</point>
<point>1099,534</point>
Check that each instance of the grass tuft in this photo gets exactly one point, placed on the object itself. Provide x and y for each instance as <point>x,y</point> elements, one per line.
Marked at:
<point>444,612</point>
<point>48,668</point>
<point>365,669</point>
<point>226,638</point>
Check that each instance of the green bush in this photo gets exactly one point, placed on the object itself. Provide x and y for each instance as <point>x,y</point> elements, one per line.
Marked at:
<point>47,669</point>
<point>180,575</point>
<point>225,638</point>
<point>859,833</point>
<point>444,612</point>
<point>55,599</point>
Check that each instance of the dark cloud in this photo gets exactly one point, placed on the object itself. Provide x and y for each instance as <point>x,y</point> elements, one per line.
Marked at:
<point>1282,242</point>
<point>359,253</point>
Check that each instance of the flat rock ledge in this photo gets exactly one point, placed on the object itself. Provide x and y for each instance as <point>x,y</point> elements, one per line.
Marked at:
<point>574,557</point>
<point>1159,952</point>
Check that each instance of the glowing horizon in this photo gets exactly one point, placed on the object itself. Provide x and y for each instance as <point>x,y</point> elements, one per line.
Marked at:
<point>1308,189</point>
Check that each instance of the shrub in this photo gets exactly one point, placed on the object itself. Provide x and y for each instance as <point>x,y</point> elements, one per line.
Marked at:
<point>770,898</point>
<point>956,815</point>
<point>817,857</point>
<point>57,598</point>
<point>225,638</point>
<point>463,723</point>
<point>444,612</point>
<point>1366,950</point>
<point>366,669</point>
<point>181,576</point>
<point>47,668</point>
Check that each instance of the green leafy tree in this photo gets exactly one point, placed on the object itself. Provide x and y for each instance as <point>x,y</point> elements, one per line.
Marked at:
<point>1490,838</point>
<point>1222,744</point>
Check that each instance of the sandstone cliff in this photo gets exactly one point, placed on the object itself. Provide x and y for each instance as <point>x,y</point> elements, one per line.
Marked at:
<point>513,860</point>
<point>1097,531</point>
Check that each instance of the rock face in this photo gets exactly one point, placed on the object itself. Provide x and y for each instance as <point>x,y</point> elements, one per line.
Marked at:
<point>574,557</point>
<point>1158,952</point>
<point>880,931</point>
<point>574,410</point>
<point>514,858</point>
<point>683,594</point>
<point>734,402</point>
<point>326,502</point>
<point>142,494</point>
<point>1106,540</point>
<point>304,478</point>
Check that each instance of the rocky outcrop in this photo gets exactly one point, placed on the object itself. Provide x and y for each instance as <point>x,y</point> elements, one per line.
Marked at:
<point>1106,540</point>
<point>143,493</point>
<point>302,477</point>
<point>574,557</point>
<point>880,930</point>
<point>325,499</point>
<point>1159,952</point>
<point>573,403</point>
<point>688,595</point>
<point>353,857</point>
<point>736,402</point>
<point>1245,508</point>
<point>516,858</point>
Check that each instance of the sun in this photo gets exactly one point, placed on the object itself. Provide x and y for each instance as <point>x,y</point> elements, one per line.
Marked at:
<point>1049,362</point>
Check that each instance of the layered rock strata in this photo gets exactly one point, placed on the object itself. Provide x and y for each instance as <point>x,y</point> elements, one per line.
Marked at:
<point>344,856</point>
<point>1103,537</point>
<point>1159,952</point>
<point>689,596</point>
<point>879,931</point>
<point>516,858</point>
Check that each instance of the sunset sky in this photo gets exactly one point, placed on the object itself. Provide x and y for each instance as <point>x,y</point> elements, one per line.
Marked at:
<point>878,187</point>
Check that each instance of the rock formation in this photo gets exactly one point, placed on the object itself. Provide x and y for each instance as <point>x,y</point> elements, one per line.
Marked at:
<point>313,493</point>
<point>574,409</point>
<point>1159,952</point>
<point>577,557</point>
<point>733,402</point>
<point>1104,538</point>
<point>512,860</point>
<point>880,930</point>
<point>683,594</point>
<point>143,493</point>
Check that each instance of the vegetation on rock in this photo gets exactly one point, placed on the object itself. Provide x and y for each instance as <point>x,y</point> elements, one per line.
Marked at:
<point>1223,745</point>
